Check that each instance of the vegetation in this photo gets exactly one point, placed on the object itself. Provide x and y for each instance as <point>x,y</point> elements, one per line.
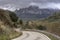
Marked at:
<point>40,27</point>
<point>54,17</point>
<point>4,37</point>
<point>20,22</point>
<point>13,17</point>
<point>7,21</point>
<point>51,24</point>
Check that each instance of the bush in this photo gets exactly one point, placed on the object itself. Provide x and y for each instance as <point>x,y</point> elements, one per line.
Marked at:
<point>40,27</point>
<point>20,22</point>
<point>13,17</point>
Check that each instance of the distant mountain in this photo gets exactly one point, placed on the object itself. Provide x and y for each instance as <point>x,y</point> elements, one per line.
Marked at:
<point>34,12</point>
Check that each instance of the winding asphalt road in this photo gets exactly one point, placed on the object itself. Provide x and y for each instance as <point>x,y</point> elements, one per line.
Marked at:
<point>30,35</point>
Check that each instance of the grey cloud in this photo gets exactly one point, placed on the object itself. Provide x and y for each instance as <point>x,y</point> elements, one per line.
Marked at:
<point>25,3</point>
<point>21,2</point>
<point>18,3</point>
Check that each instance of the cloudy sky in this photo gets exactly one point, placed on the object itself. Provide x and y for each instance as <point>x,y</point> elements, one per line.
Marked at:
<point>16,4</point>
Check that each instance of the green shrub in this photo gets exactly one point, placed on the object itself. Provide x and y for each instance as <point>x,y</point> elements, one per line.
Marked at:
<point>13,17</point>
<point>40,27</point>
<point>20,22</point>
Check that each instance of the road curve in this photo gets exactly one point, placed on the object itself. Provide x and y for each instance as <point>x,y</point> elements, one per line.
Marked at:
<point>30,35</point>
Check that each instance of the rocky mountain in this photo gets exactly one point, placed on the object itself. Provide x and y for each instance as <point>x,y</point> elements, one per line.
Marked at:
<point>34,12</point>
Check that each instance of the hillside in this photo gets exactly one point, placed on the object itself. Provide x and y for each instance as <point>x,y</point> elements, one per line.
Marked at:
<point>51,23</point>
<point>54,17</point>
<point>6,25</point>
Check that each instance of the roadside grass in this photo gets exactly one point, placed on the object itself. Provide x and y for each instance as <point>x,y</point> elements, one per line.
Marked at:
<point>10,33</point>
<point>10,36</point>
<point>4,37</point>
<point>15,35</point>
<point>50,36</point>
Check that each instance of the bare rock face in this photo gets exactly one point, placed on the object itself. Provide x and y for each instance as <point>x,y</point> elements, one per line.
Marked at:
<point>34,13</point>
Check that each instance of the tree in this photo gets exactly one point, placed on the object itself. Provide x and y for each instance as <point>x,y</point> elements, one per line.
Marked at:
<point>20,22</point>
<point>13,17</point>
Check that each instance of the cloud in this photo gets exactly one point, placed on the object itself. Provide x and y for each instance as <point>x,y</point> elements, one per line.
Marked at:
<point>14,4</point>
<point>47,5</point>
<point>8,7</point>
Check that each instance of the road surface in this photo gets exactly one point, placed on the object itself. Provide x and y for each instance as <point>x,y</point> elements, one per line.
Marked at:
<point>30,35</point>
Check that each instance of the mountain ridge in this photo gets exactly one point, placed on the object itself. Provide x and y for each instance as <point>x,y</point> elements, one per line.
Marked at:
<point>34,12</point>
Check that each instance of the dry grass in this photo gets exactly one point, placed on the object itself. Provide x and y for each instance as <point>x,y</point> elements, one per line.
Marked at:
<point>15,34</point>
<point>53,27</point>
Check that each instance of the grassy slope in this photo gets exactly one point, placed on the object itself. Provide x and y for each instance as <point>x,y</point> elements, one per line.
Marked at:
<point>52,23</point>
<point>6,26</point>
